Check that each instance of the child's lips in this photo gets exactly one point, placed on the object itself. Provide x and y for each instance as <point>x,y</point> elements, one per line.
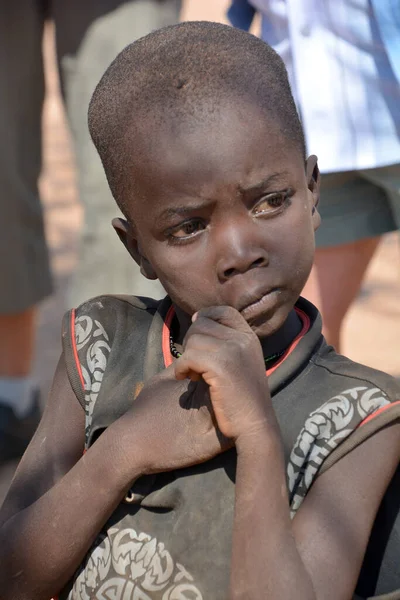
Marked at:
<point>263,305</point>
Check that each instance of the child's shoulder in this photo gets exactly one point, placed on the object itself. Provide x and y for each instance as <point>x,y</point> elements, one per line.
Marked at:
<point>108,340</point>
<point>337,404</point>
<point>340,369</point>
<point>358,402</point>
<point>315,366</point>
<point>109,313</point>
<point>108,303</point>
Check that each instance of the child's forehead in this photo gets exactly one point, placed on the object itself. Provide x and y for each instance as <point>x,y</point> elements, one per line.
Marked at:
<point>234,138</point>
<point>219,113</point>
<point>214,160</point>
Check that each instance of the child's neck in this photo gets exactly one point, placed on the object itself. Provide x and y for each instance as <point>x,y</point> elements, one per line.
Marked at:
<point>281,339</point>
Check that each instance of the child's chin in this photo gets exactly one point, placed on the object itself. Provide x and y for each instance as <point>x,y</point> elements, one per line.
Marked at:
<point>268,326</point>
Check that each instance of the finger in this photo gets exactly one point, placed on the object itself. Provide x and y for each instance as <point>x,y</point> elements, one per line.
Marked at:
<point>182,373</point>
<point>165,374</point>
<point>225,315</point>
<point>193,376</point>
<point>194,363</point>
<point>203,338</point>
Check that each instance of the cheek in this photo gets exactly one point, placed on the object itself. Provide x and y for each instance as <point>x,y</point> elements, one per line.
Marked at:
<point>174,265</point>
<point>184,277</point>
<point>305,247</point>
<point>297,254</point>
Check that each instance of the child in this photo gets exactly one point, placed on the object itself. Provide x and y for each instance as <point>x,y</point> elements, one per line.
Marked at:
<point>193,483</point>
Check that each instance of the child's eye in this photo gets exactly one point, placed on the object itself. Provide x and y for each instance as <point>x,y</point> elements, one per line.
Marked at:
<point>272,203</point>
<point>186,230</point>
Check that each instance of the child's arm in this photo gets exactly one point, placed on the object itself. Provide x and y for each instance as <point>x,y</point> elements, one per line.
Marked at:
<point>333,525</point>
<point>319,555</point>
<point>59,499</point>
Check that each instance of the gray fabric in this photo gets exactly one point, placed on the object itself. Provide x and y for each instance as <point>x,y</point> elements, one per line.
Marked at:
<point>355,205</point>
<point>24,263</point>
<point>171,537</point>
<point>104,266</point>
<point>89,36</point>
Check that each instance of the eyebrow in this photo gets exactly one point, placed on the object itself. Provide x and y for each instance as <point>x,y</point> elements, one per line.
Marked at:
<point>271,179</point>
<point>242,189</point>
<point>181,210</point>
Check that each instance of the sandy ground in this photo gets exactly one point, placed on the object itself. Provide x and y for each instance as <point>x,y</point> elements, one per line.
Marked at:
<point>372,329</point>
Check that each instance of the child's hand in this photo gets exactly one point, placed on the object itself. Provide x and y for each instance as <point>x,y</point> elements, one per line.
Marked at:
<point>221,348</point>
<point>170,425</point>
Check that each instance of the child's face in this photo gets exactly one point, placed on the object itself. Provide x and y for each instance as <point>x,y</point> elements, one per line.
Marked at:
<point>224,216</point>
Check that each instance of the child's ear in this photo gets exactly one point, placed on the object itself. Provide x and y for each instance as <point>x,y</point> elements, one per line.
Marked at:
<point>126,233</point>
<point>314,182</point>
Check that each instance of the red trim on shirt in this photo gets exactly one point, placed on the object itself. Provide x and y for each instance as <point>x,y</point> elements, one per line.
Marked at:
<point>165,336</point>
<point>378,412</point>
<point>74,349</point>
<point>171,313</point>
<point>306,326</point>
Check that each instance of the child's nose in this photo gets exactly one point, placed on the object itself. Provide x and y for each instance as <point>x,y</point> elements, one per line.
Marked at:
<point>239,252</point>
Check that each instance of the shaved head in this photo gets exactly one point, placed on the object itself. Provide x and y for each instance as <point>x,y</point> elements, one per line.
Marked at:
<point>181,77</point>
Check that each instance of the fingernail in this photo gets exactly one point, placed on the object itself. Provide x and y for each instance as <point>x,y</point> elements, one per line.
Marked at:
<point>194,317</point>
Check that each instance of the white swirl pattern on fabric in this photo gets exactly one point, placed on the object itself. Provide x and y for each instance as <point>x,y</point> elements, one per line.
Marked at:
<point>323,431</point>
<point>126,565</point>
<point>91,333</point>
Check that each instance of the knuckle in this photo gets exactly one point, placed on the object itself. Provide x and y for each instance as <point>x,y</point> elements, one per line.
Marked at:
<point>202,326</point>
<point>229,310</point>
<point>199,325</point>
<point>214,312</point>
<point>186,357</point>
<point>192,341</point>
<point>203,313</point>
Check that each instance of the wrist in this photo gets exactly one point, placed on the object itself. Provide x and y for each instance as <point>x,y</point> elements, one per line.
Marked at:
<point>263,442</point>
<point>123,454</point>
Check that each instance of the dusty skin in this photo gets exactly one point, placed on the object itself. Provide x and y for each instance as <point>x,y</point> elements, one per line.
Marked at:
<point>373,323</point>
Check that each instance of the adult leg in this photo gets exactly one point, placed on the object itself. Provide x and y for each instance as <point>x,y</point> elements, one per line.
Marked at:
<point>24,264</point>
<point>89,36</point>
<point>335,282</point>
<point>17,337</point>
<point>355,212</point>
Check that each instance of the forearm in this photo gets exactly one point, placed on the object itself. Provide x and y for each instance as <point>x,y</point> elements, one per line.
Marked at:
<point>265,559</point>
<point>63,523</point>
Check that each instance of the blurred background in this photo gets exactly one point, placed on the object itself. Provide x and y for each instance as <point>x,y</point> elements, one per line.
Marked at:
<point>372,326</point>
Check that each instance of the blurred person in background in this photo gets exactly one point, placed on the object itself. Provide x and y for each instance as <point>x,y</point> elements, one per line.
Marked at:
<point>351,113</point>
<point>89,35</point>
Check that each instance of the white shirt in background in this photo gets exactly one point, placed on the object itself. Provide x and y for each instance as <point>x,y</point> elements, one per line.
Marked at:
<point>342,79</point>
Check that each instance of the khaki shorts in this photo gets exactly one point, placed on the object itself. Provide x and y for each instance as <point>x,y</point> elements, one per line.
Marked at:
<point>89,34</point>
<point>358,204</point>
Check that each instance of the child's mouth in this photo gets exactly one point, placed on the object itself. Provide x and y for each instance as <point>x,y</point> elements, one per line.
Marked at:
<point>262,306</point>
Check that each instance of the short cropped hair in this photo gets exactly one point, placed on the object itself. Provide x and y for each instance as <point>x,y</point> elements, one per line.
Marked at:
<point>181,72</point>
